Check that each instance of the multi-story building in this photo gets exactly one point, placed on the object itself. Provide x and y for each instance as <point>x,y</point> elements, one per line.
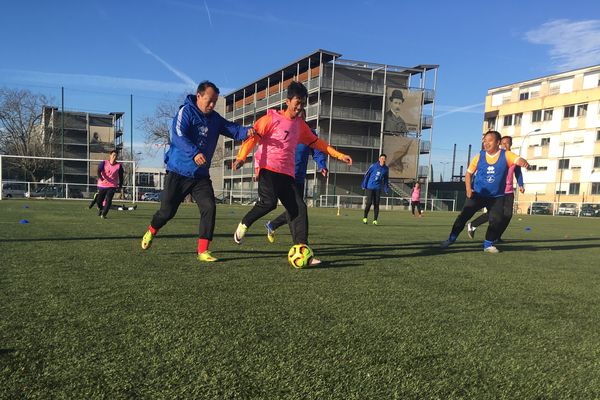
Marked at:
<point>349,105</point>
<point>86,136</point>
<point>555,124</point>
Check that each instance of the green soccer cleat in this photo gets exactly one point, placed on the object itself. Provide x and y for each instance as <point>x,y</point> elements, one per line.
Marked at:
<point>364,220</point>
<point>207,257</point>
<point>375,222</point>
<point>147,240</point>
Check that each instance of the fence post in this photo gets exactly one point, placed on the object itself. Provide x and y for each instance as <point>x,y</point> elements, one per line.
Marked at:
<point>1,184</point>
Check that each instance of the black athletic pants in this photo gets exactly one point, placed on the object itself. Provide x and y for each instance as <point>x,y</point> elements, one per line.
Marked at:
<point>417,205</point>
<point>273,186</point>
<point>373,196</point>
<point>507,213</point>
<point>177,187</point>
<point>494,206</point>
<point>282,218</point>
<point>104,194</point>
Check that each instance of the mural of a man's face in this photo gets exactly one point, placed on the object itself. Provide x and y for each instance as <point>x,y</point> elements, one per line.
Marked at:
<point>395,105</point>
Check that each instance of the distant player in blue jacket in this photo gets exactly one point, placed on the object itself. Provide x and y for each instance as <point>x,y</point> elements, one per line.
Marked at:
<point>194,134</point>
<point>375,178</point>
<point>301,160</point>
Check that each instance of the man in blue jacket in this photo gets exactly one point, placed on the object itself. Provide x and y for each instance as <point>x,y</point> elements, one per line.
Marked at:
<point>376,176</point>
<point>194,135</point>
<point>301,160</point>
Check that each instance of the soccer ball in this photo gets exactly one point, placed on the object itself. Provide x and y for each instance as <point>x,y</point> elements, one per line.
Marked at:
<point>300,255</point>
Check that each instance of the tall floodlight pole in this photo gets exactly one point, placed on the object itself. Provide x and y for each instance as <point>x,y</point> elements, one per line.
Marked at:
<point>62,134</point>
<point>131,123</point>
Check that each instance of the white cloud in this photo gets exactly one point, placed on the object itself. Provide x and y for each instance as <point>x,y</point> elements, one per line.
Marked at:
<point>92,81</point>
<point>471,109</point>
<point>184,78</point>
<point>573,44</point>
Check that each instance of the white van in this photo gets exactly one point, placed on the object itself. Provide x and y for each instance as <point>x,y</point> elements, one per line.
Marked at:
<point>13,189</point>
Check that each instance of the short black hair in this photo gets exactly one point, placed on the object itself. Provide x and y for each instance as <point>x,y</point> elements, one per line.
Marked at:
<point>382,155</point>
<point>113,151</point>
<point>507,137</point>
<point>205,85</point>
<point>296,89</point>
<point>495,133</point>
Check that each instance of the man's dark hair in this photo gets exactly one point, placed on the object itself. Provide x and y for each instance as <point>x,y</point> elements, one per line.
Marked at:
<point>509,139</point>
<point>382,155</point>
<point>113,151</point>
<point>205,85</point>
<point>495,133</point>
<point>296,89</point>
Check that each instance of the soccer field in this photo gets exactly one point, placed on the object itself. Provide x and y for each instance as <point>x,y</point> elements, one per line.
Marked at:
<point>85,313</point>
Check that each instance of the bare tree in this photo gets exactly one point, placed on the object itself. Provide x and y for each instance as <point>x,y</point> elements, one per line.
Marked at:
<point>21,131</point>
<point>158,125</point>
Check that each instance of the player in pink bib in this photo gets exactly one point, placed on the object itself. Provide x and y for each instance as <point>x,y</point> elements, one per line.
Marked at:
<point>110,178</point>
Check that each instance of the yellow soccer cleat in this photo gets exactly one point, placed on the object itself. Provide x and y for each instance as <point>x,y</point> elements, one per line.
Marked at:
<point>207,257</point>
<point>270,232</point>
<point>364,220</point>
<point>375,222</point>
<point>147,240</point>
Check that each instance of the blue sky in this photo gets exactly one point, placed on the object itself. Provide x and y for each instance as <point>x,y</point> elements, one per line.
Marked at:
<point>103,51</point>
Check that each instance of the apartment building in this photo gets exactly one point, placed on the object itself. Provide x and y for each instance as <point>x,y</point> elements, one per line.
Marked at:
<point>86,136</point>
<point>361,108</point>
<point>555,124</point>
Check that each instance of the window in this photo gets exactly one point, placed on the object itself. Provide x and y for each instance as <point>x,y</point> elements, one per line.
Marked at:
<point>574,188</point>
<point>543,168</point>
<point>548,114</point>
<point>532,167</point>
<point>545,141</point>
<point>598,135</point>
<point>569,112</point>
<point>507,120</point>
<point>537,116</point>
<point>596,162</point>
<point>491,123</point>
<point>563,163</point>
<point>595,187</point>
<point>582,110</point>
<point>517,119</point>
<point>524,96</point>
<point>561,192</point>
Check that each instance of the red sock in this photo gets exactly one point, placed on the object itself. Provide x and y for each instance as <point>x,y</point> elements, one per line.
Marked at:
<point>152,230</point>
<point>203,245</point>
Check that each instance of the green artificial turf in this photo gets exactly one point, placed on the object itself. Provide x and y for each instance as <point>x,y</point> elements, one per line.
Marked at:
<point>85,313</point>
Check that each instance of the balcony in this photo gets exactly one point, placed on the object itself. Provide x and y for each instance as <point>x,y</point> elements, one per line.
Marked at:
<point>425,147</point>
<point>428,96</point>
<point>354,141</point>
<point>358,167</point>
<point>369,87</point>
<point>426,121</point>
<point>351,113</point>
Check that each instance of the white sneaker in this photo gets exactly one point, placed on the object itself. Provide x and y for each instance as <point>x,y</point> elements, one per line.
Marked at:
<point>471,230</point>
<point>491,249</point>
<point>445,244</point>
<point>240,232</point>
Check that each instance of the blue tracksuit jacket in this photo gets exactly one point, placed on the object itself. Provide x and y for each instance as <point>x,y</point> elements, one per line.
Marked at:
<point>194,132</point>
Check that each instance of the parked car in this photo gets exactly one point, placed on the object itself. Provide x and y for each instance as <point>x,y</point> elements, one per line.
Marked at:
<point>10,190</point>
<point>590,210</point>
<point>151,196</point>
<point>540,208</point>
<point>567,209</point>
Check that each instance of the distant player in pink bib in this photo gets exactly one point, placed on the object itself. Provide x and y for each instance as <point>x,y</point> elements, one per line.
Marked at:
<point>110,179</point>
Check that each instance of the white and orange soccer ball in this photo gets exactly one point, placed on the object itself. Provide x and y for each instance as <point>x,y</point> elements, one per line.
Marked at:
<point>300,256</point>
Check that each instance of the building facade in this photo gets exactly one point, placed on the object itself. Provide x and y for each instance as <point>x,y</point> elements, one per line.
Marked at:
<point>86,136</point>
<point>555,124</point>
<point>350,105</point>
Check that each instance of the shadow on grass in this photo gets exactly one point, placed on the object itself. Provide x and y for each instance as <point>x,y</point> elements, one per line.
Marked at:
<point>4,352</point>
